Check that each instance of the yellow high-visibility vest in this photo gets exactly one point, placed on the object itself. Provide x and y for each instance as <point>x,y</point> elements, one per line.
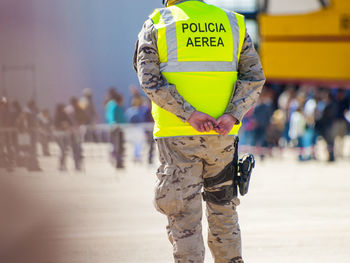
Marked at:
<point>199,47</point>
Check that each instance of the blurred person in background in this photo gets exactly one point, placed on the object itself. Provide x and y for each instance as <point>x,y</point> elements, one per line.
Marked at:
<point>310,136</point>
<point>262,116</point>
<point>320,98</point>
<point>325,123</point>
<point>76,113</point>
<point>275,129</point>
<point>134,92</point>
<point>145,111</point>
<point>15,115</point>
<point>296,101</point>
<point>114,114</point>
<point>136,114</point>
<point>22,141</point>
<point>297,126</point>
<point>140,112</point>
<point>284,102</point>
<point>45,130</point>
<point>78,119</point>
<point>246,133</point>
<point>341,127</point>
<point>114,111</point>
<point>297,130</point>
<point>63,127</point>
<point>87,104</point>
<point>16,110</point>
<point>5,145</point>
<point>32,128</point>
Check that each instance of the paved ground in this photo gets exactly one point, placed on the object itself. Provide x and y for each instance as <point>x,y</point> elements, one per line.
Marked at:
<point>295,212</point>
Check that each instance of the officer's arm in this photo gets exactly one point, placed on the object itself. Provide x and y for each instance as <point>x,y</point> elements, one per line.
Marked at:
<point>250,81</point>
<point>156,87</point>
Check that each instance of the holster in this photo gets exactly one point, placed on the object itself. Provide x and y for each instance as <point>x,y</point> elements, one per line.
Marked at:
<point>238,171</point>
<point>227,192</point>
<point>245,168</point>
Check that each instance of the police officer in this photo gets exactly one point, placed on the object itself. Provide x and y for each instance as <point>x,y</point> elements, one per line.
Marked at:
<point>198,65</point>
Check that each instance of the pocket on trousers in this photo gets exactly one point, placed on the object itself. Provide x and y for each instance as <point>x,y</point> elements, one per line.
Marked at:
<point>168,193</point>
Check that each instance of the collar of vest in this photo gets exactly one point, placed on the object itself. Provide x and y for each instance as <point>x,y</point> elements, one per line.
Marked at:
<point>175,2</point>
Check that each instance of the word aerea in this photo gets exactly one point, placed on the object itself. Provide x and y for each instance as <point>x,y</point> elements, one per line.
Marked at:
<point>202,41</point>
<point>205,41</point>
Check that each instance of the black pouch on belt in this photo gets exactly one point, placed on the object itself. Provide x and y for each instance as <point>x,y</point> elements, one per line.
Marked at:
<point>239,171</point>
<point>227,192</point>
<point>245,168</point>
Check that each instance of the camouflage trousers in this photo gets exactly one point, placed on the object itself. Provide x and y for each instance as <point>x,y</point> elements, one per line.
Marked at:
<point>185,161</point>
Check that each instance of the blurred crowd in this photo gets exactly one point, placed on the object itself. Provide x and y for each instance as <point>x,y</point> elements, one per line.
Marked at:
<point>298,117</point>
<point>138,112</point>
<point>284,117</point>
<point>24,128</point>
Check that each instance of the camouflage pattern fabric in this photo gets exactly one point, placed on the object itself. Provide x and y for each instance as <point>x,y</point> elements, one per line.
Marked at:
<point>185,161</point>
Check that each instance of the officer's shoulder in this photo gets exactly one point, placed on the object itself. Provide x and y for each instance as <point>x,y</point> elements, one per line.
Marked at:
<point>156,15</point>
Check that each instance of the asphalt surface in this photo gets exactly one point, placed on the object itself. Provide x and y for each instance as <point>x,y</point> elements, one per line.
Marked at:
<point>294,212</point>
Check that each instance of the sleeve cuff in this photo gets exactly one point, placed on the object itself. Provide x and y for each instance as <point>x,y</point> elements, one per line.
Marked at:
<point>186,114</point>
<point>236,114</point>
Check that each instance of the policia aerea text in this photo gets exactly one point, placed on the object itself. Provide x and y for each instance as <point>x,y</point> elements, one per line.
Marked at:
<point>200,41</point>
<point>198,65</point>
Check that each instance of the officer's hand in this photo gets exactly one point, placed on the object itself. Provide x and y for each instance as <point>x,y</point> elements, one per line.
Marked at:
<point>225,124</point>
<point>202,122</point>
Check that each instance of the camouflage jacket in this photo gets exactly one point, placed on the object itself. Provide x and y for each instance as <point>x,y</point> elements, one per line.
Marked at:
<point>146,63</point>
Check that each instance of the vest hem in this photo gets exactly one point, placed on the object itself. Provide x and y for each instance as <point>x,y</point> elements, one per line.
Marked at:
<point>159,137</point>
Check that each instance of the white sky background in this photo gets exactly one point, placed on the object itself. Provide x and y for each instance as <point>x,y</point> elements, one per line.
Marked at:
<point>237,5</point>
<point>275,6</point>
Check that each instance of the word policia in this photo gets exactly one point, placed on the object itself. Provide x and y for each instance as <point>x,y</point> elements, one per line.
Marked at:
<point>204,28</point>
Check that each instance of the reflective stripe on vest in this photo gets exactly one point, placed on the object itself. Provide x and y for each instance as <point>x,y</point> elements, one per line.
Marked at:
<point>199,47</point>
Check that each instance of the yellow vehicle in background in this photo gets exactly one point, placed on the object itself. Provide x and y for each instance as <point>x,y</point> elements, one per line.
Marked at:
<point>309,48</point>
